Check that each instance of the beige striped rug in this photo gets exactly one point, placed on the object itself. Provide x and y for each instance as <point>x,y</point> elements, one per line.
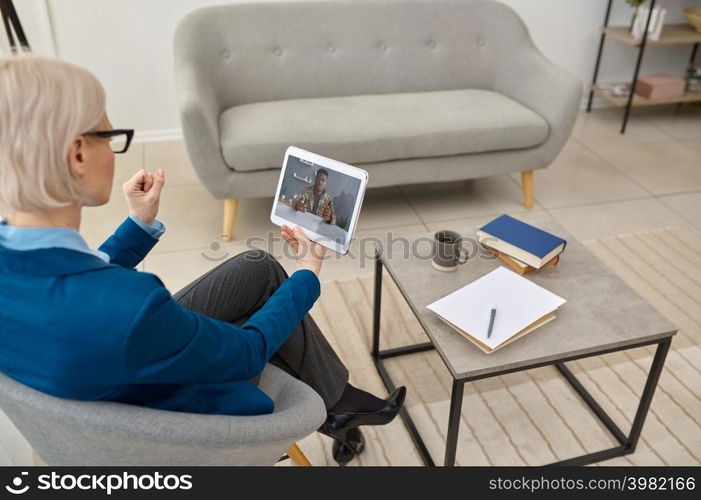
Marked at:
<point>534,417</point>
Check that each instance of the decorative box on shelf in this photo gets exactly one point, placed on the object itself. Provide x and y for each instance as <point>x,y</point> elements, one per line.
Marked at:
<point>662,85</point>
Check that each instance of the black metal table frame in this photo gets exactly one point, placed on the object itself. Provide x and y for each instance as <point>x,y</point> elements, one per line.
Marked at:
<point>638,62</point>
<point>627,443</point>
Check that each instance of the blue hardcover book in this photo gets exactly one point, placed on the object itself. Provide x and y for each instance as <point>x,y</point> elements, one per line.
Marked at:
<point>522,241</point>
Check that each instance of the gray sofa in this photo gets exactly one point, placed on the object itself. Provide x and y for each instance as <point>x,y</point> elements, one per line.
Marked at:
<point>413,91</point>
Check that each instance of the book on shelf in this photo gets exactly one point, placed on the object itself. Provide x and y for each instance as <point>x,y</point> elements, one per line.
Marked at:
<point>526,244</point>
<point>521,307</point>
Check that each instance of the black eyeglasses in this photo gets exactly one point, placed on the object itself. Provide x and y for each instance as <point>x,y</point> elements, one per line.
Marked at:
<point>120,138</point>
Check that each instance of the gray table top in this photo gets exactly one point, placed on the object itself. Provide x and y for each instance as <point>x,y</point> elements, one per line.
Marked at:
<point>602,312</point>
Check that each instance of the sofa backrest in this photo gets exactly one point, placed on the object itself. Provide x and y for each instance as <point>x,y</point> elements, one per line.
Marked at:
<point>267,51</point>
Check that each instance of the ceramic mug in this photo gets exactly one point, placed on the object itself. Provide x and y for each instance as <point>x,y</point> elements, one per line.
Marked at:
<point>448,251</point>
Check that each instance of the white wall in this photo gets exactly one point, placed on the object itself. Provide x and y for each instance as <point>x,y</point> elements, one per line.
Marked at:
<point>127,44</point>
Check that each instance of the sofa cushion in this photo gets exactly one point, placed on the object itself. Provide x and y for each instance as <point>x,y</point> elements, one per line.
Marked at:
<point>374,128</point>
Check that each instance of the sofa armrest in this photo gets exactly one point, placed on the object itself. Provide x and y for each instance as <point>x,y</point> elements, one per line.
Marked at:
<point>526,76</point>
<point>199,116</point>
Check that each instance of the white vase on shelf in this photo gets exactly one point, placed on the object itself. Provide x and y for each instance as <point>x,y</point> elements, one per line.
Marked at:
<point>656,23</point>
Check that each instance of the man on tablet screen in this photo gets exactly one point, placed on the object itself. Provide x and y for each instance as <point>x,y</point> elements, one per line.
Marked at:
<point>314,199</point>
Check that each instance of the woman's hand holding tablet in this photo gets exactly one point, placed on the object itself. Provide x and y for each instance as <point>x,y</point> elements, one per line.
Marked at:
<point>320,195</point>
<point>310,255</point>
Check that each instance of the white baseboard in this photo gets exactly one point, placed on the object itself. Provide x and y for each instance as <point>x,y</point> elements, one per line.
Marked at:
<point>164,135</point>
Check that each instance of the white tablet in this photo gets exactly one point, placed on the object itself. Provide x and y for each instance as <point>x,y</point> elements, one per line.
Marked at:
<point>320,195</point>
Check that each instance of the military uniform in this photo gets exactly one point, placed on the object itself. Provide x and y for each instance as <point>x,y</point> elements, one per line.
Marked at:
<point>315,204</point>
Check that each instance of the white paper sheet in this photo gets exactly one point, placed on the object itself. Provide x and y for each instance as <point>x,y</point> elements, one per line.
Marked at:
<point>518,301</point>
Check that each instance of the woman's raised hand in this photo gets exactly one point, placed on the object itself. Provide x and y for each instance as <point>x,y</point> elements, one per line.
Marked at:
<point>143,194</point>
<point>310,255</point>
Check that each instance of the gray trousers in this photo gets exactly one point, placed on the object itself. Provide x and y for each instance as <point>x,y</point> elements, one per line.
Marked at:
<point>241,285</point>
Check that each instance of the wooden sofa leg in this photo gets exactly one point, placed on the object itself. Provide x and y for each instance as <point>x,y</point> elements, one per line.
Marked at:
<point>297,456</point>
<point>230,206</point>
<point>36,459</point>
<point>527,182</point>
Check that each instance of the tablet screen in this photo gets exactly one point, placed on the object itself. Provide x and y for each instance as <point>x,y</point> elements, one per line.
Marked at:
<point>317,198</point>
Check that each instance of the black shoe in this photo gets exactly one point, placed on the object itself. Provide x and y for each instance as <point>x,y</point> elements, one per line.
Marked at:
<point>344,452</point>
<point>340,422</point>
<point>343,426</point>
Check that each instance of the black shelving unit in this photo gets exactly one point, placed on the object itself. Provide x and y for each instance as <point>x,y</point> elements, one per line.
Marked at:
<point>671,35</point>
<point>13,27</point>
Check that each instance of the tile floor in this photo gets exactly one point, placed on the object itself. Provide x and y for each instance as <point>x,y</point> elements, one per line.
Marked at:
<point>602,184</point>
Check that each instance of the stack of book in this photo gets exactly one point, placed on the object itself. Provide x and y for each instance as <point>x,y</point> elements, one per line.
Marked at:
<point>522,247</point>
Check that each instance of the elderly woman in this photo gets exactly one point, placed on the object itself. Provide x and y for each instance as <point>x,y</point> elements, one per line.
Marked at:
<point>83,324</point>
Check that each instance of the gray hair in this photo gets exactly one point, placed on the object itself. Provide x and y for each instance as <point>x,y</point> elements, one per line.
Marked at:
<point>44,104</point>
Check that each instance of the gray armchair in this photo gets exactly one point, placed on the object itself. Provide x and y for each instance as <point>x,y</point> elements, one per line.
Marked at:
<point>413,91</point>
<point>70,432</point>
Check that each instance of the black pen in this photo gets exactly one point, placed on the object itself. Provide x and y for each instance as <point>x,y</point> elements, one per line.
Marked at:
<point>491,322</point>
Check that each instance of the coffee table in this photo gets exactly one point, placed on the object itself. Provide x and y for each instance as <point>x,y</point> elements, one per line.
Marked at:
<point>602,315</point>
